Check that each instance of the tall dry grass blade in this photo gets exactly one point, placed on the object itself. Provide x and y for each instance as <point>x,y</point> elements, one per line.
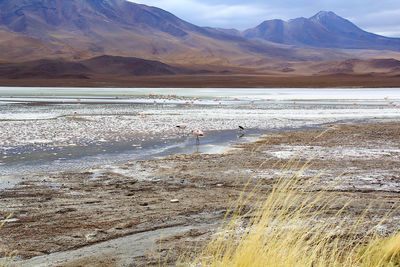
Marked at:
<point>289,228</point>
<point>7,257</point>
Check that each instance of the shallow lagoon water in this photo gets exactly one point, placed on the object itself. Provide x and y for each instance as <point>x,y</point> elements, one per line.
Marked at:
<point>227,93</point>
<point>54,159</point>
<point>235,95</point>
<point>56,129</point>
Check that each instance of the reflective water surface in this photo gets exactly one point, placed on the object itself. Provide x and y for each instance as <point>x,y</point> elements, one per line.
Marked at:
<point>55,129</point>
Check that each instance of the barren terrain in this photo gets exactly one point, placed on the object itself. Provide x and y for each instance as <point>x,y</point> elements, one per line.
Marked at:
<point>220,81</point>
<point>183,198</point>
<point>114,71</point>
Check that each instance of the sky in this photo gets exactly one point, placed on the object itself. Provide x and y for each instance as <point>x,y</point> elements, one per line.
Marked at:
<point>377,16</point>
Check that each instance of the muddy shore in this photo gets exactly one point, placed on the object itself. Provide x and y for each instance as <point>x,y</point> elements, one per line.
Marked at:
<point>339,80</point>
<point>117,216</point>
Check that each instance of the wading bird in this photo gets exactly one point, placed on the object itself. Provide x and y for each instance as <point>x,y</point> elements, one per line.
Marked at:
<point>198,134</point>
<point>241,131</point>
<point>181,128</point>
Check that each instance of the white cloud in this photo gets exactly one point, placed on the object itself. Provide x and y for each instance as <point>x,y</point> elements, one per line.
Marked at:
<point>214,15</point>
<point>384,31</point>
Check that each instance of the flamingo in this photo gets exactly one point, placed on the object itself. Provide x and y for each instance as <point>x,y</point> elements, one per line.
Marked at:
<point>198,134</point>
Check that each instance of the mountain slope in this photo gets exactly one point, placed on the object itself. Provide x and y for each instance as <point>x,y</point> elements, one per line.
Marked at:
<point>323,30</point>
<point>81,29</point>
<point>17,47</point>
<point>39,18</point>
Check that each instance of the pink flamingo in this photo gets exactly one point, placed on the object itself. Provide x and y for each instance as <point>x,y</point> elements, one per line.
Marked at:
<point>198,134</point>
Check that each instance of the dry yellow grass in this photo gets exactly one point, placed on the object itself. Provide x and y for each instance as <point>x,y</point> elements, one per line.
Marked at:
<point>7,257</point>
<point>289,227</point>
<point>381,252</point>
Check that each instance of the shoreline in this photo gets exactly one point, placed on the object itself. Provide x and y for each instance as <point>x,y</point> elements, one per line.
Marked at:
<point>214,142</point>
<point>220,81</point>
<point>118,202</point>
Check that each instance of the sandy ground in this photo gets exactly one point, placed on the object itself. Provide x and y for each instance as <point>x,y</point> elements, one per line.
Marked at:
<point>263,80</point>
<point>117,216</point>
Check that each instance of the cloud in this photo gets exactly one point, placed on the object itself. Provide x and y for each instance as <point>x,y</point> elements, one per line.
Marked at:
<point>376,16</point>
<point>384,22</point>
<point>212,14</point>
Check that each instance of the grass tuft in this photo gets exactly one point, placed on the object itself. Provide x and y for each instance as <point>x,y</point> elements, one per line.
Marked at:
<point>295,224</point>
<point>381,252</point>
<point>6,257</point>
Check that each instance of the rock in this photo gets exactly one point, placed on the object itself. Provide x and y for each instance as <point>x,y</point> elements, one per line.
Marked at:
<point>90,236</point>
<point>174,200</point>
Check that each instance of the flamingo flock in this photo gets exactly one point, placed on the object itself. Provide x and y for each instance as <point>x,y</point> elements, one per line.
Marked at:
<point>199,133</point>
<point>186,100</point>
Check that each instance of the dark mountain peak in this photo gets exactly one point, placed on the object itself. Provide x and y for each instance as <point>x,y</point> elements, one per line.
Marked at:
<point>324,15</point>
<point>271,30</point>
<point>300,19</point>
<point>114,2</point>
<point>271,24</point>
<point>272,21</point>
<point>336,24</point>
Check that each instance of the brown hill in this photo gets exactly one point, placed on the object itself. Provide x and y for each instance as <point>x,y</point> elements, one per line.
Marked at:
<point>388,65</point>
<point>44,68</point>
<point>348,66</point>
<point>127,66</point>
<point>104,65</point>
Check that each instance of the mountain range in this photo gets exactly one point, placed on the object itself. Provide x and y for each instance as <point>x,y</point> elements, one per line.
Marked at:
<point>76,30</point>
<point>325,30</point>
<point>80,29</point>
